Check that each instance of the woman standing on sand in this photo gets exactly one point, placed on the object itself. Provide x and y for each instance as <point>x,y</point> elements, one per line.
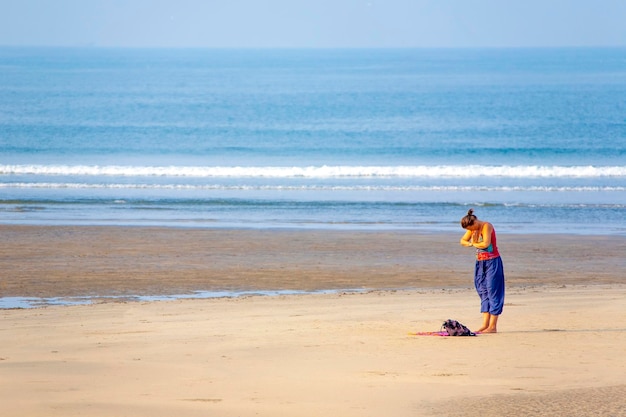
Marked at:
<point>489,270</point>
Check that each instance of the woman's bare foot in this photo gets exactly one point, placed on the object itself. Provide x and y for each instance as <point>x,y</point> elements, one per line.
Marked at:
<point>489,330</point>
<point>490,324</point>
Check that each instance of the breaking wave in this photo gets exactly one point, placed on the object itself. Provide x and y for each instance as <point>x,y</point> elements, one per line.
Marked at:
<point>220,187</point>
<point>417,171</point>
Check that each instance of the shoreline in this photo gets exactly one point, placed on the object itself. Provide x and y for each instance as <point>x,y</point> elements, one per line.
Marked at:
<point>26,303</point>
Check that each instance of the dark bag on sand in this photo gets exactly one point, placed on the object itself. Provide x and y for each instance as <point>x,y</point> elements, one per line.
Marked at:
<point>454,328</point>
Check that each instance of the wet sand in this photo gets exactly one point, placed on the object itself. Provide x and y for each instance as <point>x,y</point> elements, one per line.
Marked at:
<point>99,261</point>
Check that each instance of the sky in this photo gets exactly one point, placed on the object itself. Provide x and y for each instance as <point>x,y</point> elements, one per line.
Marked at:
<point>313,23</point>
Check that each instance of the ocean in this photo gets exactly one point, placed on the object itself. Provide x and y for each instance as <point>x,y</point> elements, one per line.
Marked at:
<point>362,139</point>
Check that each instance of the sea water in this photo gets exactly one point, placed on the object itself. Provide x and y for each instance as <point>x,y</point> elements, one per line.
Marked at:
<point>404,139</point>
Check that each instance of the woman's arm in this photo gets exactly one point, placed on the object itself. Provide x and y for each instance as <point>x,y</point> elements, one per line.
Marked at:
<point>466,240</point>
<point>485,233</point>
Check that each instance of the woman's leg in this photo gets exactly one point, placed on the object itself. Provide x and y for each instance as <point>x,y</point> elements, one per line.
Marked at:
<point>480,282</point>
<point>492,327</point>
<point>486,319</point>
<point>490,323</point>
<point>494,281</point>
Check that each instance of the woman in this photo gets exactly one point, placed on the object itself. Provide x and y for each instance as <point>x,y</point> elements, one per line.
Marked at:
<point>489,271</point>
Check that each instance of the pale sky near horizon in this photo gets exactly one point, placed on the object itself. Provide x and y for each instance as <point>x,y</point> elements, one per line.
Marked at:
<point>313,23</point>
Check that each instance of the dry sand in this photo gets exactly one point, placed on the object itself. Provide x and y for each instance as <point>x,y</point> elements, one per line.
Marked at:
<point>560,351</point>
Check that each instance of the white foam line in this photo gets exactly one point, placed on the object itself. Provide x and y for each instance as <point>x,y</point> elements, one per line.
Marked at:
<point>218,187</point>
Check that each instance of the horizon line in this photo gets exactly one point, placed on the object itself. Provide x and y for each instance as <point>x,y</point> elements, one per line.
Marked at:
<point>93,46</point>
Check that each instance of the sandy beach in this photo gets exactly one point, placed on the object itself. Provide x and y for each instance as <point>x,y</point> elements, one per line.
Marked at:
<point>559,351</point>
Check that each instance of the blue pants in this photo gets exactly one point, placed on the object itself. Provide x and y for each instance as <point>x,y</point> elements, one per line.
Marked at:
<point>489,282</point>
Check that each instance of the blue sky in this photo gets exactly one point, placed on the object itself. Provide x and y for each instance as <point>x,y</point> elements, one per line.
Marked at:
<point>313,23</point>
